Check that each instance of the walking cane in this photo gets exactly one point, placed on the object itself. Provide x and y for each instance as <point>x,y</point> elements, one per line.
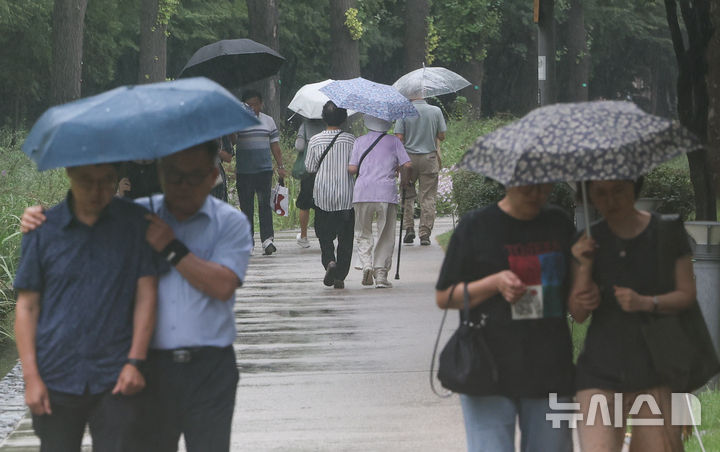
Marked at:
<point>402,212</point>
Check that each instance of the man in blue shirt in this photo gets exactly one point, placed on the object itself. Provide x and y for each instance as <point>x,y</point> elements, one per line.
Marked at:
<point>192,375</point>
<point>87,288</point>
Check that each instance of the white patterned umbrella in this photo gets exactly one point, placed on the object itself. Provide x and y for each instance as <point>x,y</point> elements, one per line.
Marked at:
<point>365,96</point>
<point>599,140</point>
<point>429,82</point>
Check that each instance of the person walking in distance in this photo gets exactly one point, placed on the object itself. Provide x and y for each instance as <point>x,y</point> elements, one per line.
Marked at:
<point>377,158</point>
<point>304,202</point>
<point>328,156</point>
<point>254,169</point>
<point>420,135</point>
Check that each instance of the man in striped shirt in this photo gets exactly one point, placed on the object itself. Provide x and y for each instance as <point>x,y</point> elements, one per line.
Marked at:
<point>254,170</point>
<point>333,194</point>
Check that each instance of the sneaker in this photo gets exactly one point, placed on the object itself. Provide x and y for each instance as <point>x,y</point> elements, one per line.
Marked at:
<point>381,281</point>
<point>367,277</point>
<point>269,249</point>
<point>339,284</point>
<point>425,241</point>
<point>409,235</point>
<point>302,242</point>
<point>329,278</point>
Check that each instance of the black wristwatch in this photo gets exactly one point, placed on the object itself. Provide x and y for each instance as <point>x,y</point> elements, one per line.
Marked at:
<point>139,364</point>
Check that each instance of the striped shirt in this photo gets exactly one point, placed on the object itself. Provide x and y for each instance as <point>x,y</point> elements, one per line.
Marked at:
<point>253,146</point>
<point>333,184</point>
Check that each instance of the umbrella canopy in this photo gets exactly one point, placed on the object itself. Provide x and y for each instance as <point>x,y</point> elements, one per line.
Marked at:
<point>600,140</point>
<point>309,100</point>
<point>233,62</point>
<point>429,82</point>
<point>375,99</point>
<point>135,122</point>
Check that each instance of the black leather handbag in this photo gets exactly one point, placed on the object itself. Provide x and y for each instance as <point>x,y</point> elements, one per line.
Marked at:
<point>466,364</point>
<point>680,345</point>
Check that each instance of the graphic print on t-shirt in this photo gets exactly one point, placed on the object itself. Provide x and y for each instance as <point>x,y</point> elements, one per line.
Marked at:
<point>541,267</point>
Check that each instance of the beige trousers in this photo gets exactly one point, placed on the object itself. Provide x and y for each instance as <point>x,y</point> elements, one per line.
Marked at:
<point>424,171</point>
<point>370,253</point>
<point>603,436</point>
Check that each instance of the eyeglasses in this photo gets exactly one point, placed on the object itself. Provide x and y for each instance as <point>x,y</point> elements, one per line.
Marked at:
<point>192,178</point>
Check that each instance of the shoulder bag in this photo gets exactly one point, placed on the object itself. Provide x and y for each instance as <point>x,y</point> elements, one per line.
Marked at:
<point>680,345</point>
<point>466,364</point>
<point>367,151</point>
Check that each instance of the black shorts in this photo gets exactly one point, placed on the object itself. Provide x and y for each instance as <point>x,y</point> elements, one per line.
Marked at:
<point>305,197</point>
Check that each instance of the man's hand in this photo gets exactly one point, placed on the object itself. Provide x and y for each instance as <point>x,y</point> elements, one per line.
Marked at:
<point>510,286</point>
<point>32,218</point>
<point>123,186</point>
<point>37,397</point>
<point>631,301</point>
<point>282,173</point>
<point>130,381</point>
<point>159,234</point>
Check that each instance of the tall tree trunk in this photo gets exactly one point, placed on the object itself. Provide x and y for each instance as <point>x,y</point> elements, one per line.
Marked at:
<point>153,44</point>
<point>713,81</point>
<point>546,51</point>
<point>692,92</point>
<point>475,71</point>
<point>263,28</point>
<point>345,58</point>
<point>67,50</point>
<point>416,30</point>
<point>579,59</point>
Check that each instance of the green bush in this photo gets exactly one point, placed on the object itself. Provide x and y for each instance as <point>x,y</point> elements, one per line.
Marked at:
<point>472,191</point>
<point>672,185</point>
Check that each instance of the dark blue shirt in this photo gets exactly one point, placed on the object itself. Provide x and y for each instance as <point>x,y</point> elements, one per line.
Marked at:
<point>87,278</point>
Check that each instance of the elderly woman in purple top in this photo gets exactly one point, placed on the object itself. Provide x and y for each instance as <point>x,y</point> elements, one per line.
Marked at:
<point>376,158</point>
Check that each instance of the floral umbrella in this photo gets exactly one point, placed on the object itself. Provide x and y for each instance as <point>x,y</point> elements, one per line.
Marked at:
<point>577,142</point>
<point>365,96</point>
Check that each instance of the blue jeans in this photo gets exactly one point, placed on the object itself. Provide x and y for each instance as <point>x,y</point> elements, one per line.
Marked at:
<point>490,425</point>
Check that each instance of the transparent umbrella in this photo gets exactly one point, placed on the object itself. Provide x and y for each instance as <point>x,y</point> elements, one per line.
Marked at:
<point>429,82</point>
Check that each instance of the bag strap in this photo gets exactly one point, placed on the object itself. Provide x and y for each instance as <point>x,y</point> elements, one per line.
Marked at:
<point>368,151</point>
<point>466,305</point>
<point>327,149</point>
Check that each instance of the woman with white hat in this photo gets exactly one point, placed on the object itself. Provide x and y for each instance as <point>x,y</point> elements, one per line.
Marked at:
<point>376,160</point>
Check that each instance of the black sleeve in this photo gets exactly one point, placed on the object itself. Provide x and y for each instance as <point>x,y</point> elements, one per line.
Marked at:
<point>458,258</point>
<point>680,239</point>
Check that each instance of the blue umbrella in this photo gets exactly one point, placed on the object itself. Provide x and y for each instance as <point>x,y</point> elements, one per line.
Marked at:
<point>602,140</point>
<point>375,99</point>
<point>135,122</point>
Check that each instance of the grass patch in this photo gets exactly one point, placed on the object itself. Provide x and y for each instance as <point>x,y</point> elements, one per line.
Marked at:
<point>444,239</point>
<point>710,423</point>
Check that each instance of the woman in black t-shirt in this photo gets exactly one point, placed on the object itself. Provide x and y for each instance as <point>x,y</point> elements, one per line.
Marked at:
<point>514,256</point>
<point>620,265</point>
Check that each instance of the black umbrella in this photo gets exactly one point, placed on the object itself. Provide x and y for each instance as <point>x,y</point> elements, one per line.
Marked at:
<point>233,62</point>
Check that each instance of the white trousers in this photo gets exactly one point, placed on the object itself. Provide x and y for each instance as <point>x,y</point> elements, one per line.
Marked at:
<point>370,253</point>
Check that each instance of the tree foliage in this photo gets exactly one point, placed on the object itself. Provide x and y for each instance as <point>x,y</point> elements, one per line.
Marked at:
<point>628,42</point>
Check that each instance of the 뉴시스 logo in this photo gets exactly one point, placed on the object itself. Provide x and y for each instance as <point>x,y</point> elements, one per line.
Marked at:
<point>684,410</point>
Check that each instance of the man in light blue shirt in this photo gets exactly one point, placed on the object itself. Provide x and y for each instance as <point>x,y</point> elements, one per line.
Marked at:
<point>192,374</point>
<point>420,135</point>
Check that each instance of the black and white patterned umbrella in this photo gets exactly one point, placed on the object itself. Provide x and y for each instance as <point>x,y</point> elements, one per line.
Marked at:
<point>599,140</point>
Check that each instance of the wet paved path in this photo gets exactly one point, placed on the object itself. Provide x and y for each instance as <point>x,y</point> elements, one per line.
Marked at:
<point>333,370</point>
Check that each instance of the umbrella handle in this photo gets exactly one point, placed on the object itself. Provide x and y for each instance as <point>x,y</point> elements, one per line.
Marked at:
<point>586,211</point>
